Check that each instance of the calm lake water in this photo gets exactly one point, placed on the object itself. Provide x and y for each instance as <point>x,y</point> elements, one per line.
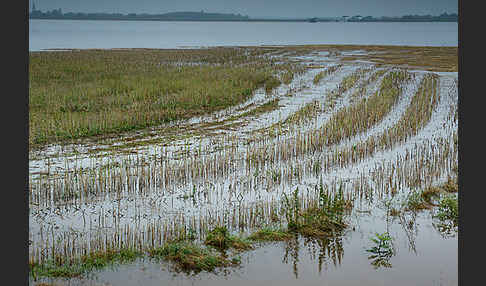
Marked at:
<point>85,34</point>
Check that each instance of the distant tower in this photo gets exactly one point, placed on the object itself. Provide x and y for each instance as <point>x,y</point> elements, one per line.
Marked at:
<point>33,6</point>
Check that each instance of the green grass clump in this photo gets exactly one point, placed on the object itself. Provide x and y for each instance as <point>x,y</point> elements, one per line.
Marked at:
<point>220,238</point>
<point>324,218</point>
<point>427,198</point>
<point>93,261</point>
<point>448,209</point>
<point>447,215</point>
<point>191,257</point>
<point>415,201</point>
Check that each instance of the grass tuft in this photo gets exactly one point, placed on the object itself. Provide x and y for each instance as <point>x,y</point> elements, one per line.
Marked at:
<point>220,238</point>
<point>326,218</point>
<point>448,209</point>
<point>190,257</point>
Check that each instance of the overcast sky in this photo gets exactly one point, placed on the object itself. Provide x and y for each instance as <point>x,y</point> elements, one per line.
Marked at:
<point>258,8</point>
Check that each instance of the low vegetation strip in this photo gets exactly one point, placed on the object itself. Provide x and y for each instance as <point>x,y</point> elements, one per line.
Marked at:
<point>443,59</point>
<point>189,257</point>
<point>343,124</point>
<point>415,117</point>
<point>442,198</point>
<point>418,113</point>
<point>87,93</point>
<point>323,216</point>
<point>359,117</point>
<point>64,267</point>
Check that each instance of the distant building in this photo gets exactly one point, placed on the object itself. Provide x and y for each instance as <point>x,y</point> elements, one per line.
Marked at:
<point>34,11</point>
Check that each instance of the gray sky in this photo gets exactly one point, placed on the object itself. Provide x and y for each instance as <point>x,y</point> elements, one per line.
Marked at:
<point>258,8</point>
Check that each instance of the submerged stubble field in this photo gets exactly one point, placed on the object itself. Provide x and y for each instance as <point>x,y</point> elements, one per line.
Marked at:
<point>194,157</point>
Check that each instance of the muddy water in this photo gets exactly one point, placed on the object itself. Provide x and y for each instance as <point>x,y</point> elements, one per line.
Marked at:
<point>423,257</point>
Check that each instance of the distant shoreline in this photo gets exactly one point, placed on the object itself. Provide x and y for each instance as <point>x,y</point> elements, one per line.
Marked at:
<point>202,16</point>
<point>237,20</point>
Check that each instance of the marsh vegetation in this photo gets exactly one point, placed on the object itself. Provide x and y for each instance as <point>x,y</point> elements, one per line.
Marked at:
<point>196,157</point>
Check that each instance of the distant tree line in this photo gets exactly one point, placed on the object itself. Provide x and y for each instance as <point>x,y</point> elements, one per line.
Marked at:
<point>202,16</point>
<point>57,14</point>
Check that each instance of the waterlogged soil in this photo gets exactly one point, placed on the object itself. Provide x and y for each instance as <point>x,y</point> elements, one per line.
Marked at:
<point>197,133</point>
<point>423,256</point>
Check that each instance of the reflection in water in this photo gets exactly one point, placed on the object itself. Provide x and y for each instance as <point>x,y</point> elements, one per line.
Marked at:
<point>328,247</point>
<point>380,261</point>
<point>324,250</point>
<point>382,251</point>
<point>445,218</point>
<point>447,229</point>
<point>408,221</point>
<point>292,248</point>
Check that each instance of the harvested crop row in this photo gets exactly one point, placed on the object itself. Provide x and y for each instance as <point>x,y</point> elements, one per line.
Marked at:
<point>386,177</point>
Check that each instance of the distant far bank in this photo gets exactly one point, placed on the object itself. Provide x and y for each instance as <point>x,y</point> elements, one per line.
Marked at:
<point>57,14</point>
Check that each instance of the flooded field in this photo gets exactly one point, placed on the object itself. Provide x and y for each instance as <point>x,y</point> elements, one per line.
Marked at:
<point>343,173</point>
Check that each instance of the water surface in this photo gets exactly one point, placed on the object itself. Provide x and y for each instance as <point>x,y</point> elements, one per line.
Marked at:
<point>85,34</point>
<point>424,256</point>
